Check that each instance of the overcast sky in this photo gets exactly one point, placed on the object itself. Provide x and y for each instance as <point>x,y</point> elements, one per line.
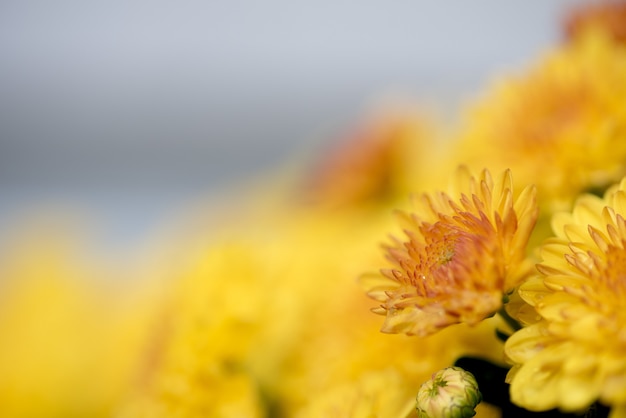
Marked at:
<point>159,100</point>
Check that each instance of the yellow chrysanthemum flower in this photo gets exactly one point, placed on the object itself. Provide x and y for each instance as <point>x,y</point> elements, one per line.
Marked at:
<point>195,360</point>
<point>608,16</point>
<point>575,354</point>
<point>374,164</point>
<point>463,252</point>
<point>560,126</point>
<point>69,335</point>
<point>385,393</point>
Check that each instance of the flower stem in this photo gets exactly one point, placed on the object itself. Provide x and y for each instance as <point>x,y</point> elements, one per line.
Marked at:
<point>515,326</point>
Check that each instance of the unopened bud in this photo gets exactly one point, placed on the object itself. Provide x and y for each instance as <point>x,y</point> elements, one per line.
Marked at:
<point>450,393</point>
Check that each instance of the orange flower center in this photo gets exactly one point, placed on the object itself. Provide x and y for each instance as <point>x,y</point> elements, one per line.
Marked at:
<point>441,240</point>
<point>436,261</point>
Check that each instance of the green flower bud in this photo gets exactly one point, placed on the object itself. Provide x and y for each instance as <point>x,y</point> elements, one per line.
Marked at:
<point>450,393</point>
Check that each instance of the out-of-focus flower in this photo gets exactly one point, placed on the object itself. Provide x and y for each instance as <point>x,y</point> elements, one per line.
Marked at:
<point>463,252</point>
<point>386,393</point>
<point>607,16</point>
<point>69,337</point>
<point>230,340</point>
<point>194,364</point>
<point>560,126</point>
<point>575,354</point>
<point>450,393</point>
<point>374,165</point>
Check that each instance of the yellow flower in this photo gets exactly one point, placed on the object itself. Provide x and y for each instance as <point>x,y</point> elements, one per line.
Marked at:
<point>373,164</point>
<point>462,253</point>
<point>384,393</point>
<point>195,359</point>
<point>608,16</point>
<point>69,335</point>
<point>560,126</point>
<point>575,354</point>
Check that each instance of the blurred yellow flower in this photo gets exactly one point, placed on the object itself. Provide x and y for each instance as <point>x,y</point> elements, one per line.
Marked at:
<point>608,16</point>
<point>560,126</point>
<point>374,164</point>
<point>384,394</point>
<point>462,253</point>
<point>235,336</point>
<point>575,354</point>
<point>69,336</point>
<point>194,363</point>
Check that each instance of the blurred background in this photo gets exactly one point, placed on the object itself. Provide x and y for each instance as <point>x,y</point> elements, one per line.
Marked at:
<point>129,110</point>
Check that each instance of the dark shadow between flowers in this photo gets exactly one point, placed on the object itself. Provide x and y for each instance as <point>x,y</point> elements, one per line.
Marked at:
<point>495,391</point>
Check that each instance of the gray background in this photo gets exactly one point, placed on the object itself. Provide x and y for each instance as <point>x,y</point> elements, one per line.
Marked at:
<point>131,109</point>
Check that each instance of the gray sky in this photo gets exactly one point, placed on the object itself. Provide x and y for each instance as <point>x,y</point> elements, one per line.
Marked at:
<point>133,106</point>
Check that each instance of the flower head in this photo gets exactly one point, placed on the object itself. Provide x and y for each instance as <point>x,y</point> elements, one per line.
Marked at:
<point>575,354</point>
<point>559,126</point>
<point>450,393</point>
<point>372,164</point>
<point>607,16</point>
<point>462,252</point>
<point>382,393</point>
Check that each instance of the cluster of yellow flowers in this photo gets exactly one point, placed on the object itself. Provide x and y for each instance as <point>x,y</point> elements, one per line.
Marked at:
<point>521,286</point>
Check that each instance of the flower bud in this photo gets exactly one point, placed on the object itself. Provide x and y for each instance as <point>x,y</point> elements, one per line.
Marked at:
<point>450,393</point>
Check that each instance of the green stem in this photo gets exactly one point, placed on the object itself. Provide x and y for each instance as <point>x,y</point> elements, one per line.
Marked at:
<point>515,326</point>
